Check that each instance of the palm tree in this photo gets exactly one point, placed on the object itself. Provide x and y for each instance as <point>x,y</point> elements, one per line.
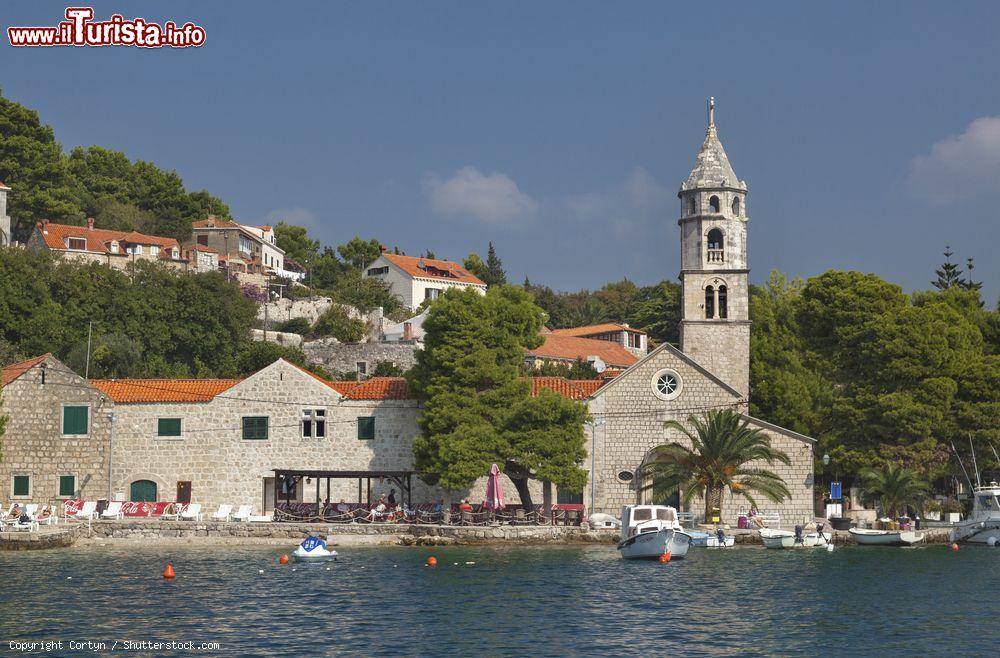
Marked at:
<point>895,487</point>
<point>723,449</point>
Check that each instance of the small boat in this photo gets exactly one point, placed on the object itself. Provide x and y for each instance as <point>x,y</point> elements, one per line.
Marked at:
<point>774,538</point>
<point>983,525</point>
<point>868,537</point>
<point>650,531</point>
<point>601,520</point>
<point>717,539</point>
<point>313,548</point>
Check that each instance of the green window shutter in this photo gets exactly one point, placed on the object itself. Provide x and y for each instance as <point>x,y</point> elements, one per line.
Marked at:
<point>255,428</point>
<point>168,427</point>
<point>67,485</point>
<point>22,485</point>
<point>366,428</point>
<point>75,420</point>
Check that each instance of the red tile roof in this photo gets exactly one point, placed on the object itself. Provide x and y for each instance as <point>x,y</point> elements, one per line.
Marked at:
<point>430,268</point>
<point>576,389</point>
<point>594,329</point>
<point>571,348</point>
<point>124,391</point>
<point>215,222</point>
<point>376,388</point>
<point>98,239</point>
<point>202,248</point>
<point>3,187</point>
<point>15,370</point>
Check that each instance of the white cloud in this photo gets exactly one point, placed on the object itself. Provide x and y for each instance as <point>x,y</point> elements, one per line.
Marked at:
<point>490,198</point>
<point>965,165</point>
<point>295,215</point>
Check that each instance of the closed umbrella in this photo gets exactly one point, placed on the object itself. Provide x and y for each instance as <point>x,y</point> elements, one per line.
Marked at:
<point>494,490</point>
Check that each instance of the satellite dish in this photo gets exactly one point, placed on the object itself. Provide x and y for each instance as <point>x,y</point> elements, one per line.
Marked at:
<point>598,363</point>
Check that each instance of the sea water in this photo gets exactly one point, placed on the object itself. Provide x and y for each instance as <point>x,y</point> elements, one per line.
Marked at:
<point>492,601</point>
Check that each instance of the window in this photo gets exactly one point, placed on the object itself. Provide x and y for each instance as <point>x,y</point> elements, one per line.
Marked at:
<point>667,384</point>
<point>203,240</point>
<point>642,514</point>
<point>168,427</point>
<point>716,244</point>
<point>366,428</point>
<point>713,203</point>
<point>76,421</point>
<point>634,340</point>
<point>722,301</point>
<point>709,302</point>
<point>362,368</point>
<point>432,293</point>
<point>314,423</point>
<point>375,271</point>
<point>736,206</point>
<point>142,491</point>
<point>114,247</point>
<point>67,486</point>
<point>625,476</point>
<point>22,486</point>
<point>80,244</point>
<point>154,250</point>
<point>691,205</point>
<point>255,428</point>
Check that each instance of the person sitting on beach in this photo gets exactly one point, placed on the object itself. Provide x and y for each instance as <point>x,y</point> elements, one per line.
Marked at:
<point>44,513</point>
<point>379,510</point>
<point>342,507</point>
<point>15,512</point>
<point>756,519</point>
<point>464,506</point>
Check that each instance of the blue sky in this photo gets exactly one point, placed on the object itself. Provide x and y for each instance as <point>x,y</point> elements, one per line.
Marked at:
<point>869,133</point>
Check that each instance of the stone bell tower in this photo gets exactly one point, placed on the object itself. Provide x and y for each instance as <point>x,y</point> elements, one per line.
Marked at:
<point>715,319</point>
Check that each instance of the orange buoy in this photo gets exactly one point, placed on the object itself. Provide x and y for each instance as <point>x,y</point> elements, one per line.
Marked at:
<point>283,559</point>
<point>665,558</point>
<point>954,547</point>
<point>168,573</point>
<point>432,561</point>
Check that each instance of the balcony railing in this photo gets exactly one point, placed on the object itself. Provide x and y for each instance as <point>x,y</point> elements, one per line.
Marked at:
<point>716,256</point>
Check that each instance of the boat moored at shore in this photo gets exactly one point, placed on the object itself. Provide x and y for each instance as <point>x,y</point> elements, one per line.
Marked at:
<point>870,537</point>
<point>649,531</point>
<point>774,538</point>
<point>983,524</point>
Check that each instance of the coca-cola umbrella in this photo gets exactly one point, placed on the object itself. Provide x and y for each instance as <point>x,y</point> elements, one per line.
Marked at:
<point>494,490</point>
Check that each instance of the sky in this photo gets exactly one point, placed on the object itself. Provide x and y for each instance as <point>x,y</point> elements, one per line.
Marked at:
<point>868,133</point>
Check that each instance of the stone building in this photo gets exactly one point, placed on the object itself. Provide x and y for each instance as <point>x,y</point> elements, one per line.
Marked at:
<point>56,443</point>
<point>117,249</point>
<point>5,228</point>
<point>635,341</point>
<point>711,370</point>
<point>244,249</point>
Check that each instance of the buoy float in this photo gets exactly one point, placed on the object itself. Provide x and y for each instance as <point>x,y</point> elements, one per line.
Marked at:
<point>283,559</point>
<point>432,561</point>
<point>665,558</point>
<point>260,571</point>
<point>954,547</point>
<point>168,573</point>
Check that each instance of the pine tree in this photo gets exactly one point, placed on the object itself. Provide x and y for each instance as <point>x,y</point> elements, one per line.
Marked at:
<point>496,276</point>
<point>969,283</point>
<point>950,275</point>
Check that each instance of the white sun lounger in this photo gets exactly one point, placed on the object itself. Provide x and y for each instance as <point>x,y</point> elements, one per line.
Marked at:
<point>243,513</point>
<point>224,513</point>
<point>114,511</point>
<point>87,511</point>
<point>192,512</point>
<point>47,520</point>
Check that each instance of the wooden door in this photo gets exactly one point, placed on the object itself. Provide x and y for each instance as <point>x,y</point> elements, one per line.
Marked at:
<point>184,492</point>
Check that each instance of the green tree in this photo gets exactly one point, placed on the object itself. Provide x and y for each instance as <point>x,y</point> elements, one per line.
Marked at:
<point>337,323</point>
<point>113,356</point>
<point>580,369</point>
<point>387,369</point>
<point>475,265</point>
<point>469,376</point>
<point>367,294</point>
<point>33,165</point>
<point>949,275</point>
<point>495,274</point>
<point>256,355</point>
<point>296,243</point>
<point>657,311</point>
<point>895,488</point>
<point>360,253</point>
<point>299,326</point>
<point>724,453</point>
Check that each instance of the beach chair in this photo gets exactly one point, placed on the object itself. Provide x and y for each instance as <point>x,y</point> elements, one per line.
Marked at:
<point>87,511</point>
<point>114,511</point>
<point>224,513</point>
<point>175,515</point>
<point>243,513</point>
<point>40,517</point>
<point>192,512</point>
<point>31,509</point>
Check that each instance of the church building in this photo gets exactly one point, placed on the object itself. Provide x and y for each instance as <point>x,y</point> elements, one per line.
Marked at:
<point>711,370</point>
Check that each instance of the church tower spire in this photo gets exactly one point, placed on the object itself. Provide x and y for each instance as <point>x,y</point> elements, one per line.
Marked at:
<point>715,319</point>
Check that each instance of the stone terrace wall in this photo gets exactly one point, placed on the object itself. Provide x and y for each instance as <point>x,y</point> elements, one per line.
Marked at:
<point>344,357</point>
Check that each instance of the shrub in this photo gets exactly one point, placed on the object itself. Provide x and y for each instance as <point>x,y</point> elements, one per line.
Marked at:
<point>337,323</point>
<point>386,369</point>
<point>294,326</point>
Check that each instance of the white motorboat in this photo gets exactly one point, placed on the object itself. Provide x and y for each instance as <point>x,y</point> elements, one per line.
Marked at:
<point>312,549</point>
<point>869,537</point>
<point>601,520</point>
<point>717,539</point>
<point>649,531</point>
<point>774,538</point>
<point>983,525</point>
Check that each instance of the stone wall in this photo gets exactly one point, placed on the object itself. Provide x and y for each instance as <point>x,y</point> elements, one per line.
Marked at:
<point>277,337</point>
<point>312,308</point>
<point>344,357</point>
<point>34,444</point>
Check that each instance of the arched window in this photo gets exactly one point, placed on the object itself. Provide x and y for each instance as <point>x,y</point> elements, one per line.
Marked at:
<point>142,491</point>
<point>722,301</point>
<point>713,203</point>
<point>716,246</point>
<point>690,205</point>
<point>709,302</point>
<point>736,206</point>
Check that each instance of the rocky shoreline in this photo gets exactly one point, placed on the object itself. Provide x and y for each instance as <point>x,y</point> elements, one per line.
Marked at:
<point>208,533</point>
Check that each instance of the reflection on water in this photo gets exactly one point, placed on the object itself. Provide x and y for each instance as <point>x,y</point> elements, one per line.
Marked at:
<point>548,601</point>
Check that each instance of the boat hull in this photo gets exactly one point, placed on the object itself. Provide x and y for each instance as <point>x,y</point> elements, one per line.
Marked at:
<point>786,539</point>
<point>651,545</point>
<point>317,555</point>
<point>885,537</point>
<point>977,533</point>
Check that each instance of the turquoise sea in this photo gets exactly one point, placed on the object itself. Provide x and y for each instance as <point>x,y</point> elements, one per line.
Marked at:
<point>545,601</point>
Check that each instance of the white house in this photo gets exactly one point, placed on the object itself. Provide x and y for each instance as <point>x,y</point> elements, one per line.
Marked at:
<point>5,238</point>
<point>414,279</point>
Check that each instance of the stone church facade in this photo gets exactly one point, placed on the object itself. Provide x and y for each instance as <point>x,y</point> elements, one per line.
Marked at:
<point>712,368</point>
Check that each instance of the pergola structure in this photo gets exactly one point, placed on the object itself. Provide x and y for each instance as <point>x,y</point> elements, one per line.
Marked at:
<point>403,480</point>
